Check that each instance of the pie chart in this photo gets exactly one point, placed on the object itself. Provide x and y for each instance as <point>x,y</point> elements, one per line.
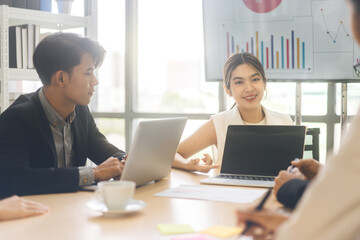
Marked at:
<point>262,6</point>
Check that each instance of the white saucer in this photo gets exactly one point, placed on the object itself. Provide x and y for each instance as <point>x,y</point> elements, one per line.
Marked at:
<point>132,207</point>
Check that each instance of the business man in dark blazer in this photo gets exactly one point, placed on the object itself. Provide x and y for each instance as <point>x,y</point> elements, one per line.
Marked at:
<point>46,136</point>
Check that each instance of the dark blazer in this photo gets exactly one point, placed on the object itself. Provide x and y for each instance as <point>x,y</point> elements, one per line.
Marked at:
<point>28,160</point>
<point>290,192</point>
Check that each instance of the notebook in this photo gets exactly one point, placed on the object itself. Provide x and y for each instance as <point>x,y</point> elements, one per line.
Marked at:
<point>152,151</point>
<point>254,155</point>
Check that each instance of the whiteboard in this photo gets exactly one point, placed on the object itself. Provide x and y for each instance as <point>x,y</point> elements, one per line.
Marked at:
<point>293,39</point>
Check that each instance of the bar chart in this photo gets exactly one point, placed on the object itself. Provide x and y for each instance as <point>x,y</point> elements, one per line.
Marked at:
<point>280,46</point>
<point>282,59</point>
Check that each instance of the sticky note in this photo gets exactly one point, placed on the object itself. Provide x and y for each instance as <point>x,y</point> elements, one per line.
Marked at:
<point>195,237</point>
<point>222,231</point>
<point>174,228</point>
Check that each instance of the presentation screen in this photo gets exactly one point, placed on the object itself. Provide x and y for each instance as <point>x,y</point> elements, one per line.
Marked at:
<point>293,39</point>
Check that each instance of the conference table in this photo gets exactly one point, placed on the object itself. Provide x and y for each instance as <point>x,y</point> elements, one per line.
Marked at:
<point>70,217</point>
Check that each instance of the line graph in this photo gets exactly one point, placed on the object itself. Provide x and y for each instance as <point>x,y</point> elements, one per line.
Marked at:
<point>340,26</point>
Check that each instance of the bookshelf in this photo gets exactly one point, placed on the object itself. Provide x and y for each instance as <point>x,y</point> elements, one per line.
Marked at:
<point>17,16</point>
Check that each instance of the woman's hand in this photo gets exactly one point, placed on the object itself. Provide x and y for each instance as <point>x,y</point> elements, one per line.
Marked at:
<point>196,165</point>
<point>15,207</point>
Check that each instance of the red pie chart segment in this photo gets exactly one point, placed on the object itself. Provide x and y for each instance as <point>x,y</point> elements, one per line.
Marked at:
<point>262,6</point>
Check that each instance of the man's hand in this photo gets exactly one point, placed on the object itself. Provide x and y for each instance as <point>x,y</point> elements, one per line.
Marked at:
<point>111,168</point>
<point>195,165</point>
<point>265,222</point>
<point>285,176</point>
<point>15,207</point>
<point>308,167</point>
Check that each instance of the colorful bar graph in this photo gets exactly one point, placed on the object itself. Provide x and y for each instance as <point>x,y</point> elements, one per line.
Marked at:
<point>286,55</point>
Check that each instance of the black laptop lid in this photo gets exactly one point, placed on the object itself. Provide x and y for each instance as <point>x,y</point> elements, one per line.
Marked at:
<point>261,150</point>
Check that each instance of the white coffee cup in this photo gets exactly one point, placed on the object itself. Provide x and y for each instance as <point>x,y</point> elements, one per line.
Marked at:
<point>115,194</point>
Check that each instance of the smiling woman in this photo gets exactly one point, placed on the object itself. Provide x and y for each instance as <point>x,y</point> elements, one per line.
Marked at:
<point>244,81</point>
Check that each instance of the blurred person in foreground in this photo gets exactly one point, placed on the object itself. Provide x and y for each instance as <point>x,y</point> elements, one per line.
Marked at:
<point>330,207</point>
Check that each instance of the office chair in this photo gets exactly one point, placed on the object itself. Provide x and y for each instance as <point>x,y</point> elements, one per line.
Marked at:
<point>312,146</point>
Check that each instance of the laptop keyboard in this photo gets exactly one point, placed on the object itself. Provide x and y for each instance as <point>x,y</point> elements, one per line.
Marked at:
<point>251,178</point>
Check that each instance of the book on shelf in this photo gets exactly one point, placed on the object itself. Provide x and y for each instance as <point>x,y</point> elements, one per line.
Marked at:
<point>15,54</point>
<point>6,2</point>
<point>14,3</point>
<point>36,35</point>
<point>33,41</point>
<point>33,4</point>
<point>31,44</point>
<point>24,45</point>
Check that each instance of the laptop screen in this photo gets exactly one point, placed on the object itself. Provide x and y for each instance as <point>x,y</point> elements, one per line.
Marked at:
<point>261,150</point>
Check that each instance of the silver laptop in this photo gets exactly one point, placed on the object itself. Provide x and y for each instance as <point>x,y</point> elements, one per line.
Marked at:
<point>152,151</point>
<point>254,155</point>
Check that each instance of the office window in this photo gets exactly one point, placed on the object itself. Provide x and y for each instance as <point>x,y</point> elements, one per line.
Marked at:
<point>280,97</point>
<point>337,140</point>
<point>353,90</point>
<point>171,59</point>
<point>190,128</point>
<point>113,129</point>
<point>110,94</point>
<point>314,99</point>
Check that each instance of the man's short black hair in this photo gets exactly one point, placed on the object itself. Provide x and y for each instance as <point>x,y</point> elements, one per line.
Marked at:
<point>63,51</point>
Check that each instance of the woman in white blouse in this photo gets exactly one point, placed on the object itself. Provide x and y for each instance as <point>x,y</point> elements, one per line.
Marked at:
<point>245,81</point>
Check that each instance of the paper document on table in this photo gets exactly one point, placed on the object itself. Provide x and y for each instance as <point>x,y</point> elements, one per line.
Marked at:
<point>213,193</point>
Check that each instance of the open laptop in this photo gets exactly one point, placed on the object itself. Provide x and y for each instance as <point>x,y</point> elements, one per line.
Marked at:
<point>152,151</point>
<point>254,155</point>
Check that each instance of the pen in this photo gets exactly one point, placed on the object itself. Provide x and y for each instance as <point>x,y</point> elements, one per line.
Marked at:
<point>292,167</point>
<point>258,208</point>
